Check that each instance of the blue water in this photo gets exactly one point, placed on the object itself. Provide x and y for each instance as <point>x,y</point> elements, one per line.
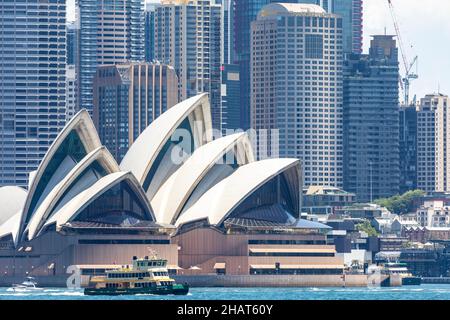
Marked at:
<point>423,292</point>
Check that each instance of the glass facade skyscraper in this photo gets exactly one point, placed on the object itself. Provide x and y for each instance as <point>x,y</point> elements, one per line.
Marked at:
<point>227,31</point>
<point>32,84</point>
<point>72,45</point>
<point>231,94</point>
<point>351,12</point>
<point>111,32</point>
<point>371,121</point>
<point>149,33</point>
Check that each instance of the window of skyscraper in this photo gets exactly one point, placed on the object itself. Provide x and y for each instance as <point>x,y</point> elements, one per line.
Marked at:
<point>314,46</point>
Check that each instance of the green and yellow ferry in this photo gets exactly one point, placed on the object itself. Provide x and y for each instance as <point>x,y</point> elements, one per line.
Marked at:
<point>144,276</point>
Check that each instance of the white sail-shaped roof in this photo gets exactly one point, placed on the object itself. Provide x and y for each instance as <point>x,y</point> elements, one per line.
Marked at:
<point>11,227</point>
<point>219,201</point>
<point>151,142</point>
<point>79,182</point>
<point>174,193</point>
<point>12,200</point>
<point>72,184</point>
<point>70,211</point>
<point>78,138</point>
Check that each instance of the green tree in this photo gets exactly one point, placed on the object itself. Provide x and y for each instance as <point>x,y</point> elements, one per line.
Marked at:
<point>367,228</point>
<point>401,204</point>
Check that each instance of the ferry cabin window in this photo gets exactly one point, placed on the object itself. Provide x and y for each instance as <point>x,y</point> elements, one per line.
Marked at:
<point>142,284</point>
<point>160,274</point>
<point>129,275</point>
<point>156,264</point>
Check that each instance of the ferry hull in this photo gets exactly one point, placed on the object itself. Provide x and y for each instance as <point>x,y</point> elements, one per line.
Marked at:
<point>163,290</point>
<point>411,281</point>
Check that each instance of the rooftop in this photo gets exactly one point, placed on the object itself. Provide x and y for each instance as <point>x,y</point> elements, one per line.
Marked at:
<point>274,9</point>
<point>252,223</point>
<point>325,190</point>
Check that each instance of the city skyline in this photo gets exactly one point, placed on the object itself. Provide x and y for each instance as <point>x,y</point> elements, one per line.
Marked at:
<point>422,36</point>
<point>230,143</point>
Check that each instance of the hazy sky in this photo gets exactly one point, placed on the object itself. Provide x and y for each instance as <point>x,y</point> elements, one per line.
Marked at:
<point>425,28</point>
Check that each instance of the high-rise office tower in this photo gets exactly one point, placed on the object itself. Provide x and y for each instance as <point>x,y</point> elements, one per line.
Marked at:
<point>351,12</point>
<point>371,121</point>
<point>127,98</point>
<point>245,11</point>
<point>231,94</point>
<point>231,82</point>
<point>149,32</point>
<point>227,33</point>
<point>32,84</point>
<point>408,148</point>
<point>433,143</point>
<point>111,32</point>
<point>296,87</point>
<point>188,37</point>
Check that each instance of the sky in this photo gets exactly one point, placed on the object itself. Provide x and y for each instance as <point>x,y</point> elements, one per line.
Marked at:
<point>425,31</point>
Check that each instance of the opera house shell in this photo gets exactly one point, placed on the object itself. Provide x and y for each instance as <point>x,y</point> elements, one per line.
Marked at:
<point>80,200</point>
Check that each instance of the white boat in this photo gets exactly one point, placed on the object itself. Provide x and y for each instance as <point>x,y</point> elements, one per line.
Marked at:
<point>28,285</point>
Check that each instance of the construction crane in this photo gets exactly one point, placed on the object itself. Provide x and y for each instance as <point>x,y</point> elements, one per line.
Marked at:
<point>405,82</point>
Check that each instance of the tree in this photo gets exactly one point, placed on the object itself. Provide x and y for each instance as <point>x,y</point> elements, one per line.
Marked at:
<point>401,204</point>
<point>367,228</point>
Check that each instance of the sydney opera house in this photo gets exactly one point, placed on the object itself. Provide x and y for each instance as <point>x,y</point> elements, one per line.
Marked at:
<point>207,205</point>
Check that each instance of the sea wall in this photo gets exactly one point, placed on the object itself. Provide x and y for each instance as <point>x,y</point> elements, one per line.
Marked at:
<point>228,280</point>
<point>436,280</point>
<point>274,280</point>
<point>225,281</point>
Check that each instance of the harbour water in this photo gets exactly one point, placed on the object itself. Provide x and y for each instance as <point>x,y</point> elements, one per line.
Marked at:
<point>423,292</point>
